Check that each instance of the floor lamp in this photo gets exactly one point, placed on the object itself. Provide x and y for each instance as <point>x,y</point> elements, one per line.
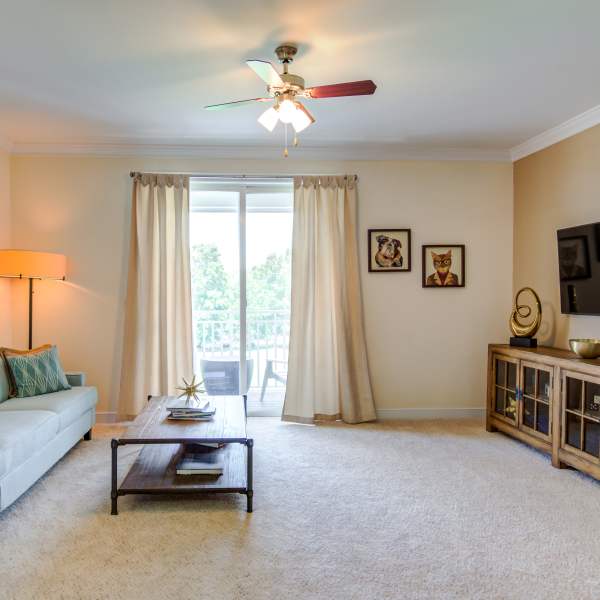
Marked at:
<point>24,264</point>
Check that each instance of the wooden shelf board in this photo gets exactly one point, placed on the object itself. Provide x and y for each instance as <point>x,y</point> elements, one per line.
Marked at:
<point>154,472</point>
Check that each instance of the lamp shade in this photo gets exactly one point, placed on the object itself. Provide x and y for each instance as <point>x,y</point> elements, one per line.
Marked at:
<point>35,265</point>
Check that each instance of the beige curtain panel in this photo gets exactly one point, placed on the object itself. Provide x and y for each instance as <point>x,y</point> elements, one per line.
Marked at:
<point>158,345</point>
<point>328,376</point>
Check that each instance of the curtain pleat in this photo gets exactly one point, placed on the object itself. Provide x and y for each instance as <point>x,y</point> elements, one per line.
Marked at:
<point>157,345</point>
<point>328,374</point>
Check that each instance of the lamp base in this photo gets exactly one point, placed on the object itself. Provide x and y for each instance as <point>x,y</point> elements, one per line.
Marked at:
<point>523,342</point>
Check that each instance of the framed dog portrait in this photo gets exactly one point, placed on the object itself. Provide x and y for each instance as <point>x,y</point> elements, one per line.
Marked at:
<point>389,250</point>
<point>443,265</point>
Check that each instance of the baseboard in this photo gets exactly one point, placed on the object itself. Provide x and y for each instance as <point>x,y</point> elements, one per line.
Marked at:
<point>107,417</point>
<point>414,414</point>
<point>384,414</point>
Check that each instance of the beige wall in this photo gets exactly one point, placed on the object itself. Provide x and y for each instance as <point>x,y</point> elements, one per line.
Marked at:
<point>555,188</point>
<point>5,286</point>
<point>426,347</point>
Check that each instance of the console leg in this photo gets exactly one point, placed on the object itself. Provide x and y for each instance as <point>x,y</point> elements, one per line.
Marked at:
<point>87,436</point>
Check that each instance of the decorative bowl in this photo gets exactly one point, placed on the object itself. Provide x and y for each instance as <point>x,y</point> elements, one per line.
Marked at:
<point>585,348</point>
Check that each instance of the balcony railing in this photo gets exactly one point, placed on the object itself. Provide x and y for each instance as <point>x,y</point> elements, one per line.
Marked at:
<point>217,336</point>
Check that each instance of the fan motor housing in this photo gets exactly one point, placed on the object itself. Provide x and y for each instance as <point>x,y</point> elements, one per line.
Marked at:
<point>292,81</point>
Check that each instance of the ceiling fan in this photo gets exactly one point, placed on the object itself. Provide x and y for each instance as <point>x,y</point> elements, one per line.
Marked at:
<point>285,89</point>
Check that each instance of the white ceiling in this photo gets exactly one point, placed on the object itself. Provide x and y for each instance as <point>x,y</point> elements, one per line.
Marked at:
<point>484,74</point>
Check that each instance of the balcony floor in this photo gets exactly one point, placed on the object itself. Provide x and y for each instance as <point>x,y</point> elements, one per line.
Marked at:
<point>272,403</point>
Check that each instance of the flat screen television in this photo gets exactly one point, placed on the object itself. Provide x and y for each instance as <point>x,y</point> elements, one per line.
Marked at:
<point>579,269</point>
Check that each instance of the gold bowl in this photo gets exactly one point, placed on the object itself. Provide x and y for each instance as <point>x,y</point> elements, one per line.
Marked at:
<point>586,348</point>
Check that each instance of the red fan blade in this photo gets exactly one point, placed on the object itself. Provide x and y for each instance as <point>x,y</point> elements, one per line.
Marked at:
<point>352,88</point>
<point>236,103</point>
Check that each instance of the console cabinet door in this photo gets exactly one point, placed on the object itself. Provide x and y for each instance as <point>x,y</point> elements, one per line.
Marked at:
<point>580,412</point>
<point>536,398</point>
<point>504,386</point>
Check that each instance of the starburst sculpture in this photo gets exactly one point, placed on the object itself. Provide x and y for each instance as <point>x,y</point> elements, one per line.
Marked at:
<point>191,390</point>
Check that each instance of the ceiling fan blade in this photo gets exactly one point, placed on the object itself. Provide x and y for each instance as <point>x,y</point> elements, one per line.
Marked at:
<point>266,71</point>
<point>351,88</point>
<point>225,105</point>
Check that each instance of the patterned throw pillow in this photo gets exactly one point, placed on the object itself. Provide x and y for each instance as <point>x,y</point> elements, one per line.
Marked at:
<point>12,389</point>
<point>35,373</point>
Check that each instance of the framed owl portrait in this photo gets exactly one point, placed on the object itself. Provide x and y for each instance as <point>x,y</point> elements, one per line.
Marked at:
<point>443,265</point>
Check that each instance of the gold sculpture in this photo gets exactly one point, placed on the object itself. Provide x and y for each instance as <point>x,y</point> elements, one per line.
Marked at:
<point>523,311</point>
<point>191,389</point>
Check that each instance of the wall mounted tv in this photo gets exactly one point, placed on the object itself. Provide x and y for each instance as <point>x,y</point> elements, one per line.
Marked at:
<point>579,268</point>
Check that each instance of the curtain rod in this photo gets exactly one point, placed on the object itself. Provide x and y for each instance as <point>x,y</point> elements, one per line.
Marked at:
<point>227,176</point>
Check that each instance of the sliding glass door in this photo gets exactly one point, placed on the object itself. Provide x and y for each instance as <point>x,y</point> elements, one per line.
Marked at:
<point>241,232</point>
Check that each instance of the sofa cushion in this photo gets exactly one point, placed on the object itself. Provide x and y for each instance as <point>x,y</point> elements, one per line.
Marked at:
<point>35,373</point>
<point>22,434</point>
<point>68,405</point>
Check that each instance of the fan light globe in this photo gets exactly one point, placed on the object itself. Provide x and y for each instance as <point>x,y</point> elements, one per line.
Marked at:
<point>269,119</point>
<point>302,119</point>
<point>287,111</point>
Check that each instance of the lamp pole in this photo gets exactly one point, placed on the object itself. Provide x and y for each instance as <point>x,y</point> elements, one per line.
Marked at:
<point>30,313</point>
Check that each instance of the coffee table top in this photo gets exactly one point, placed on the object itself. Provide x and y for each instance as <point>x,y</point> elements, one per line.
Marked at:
<point>152,426</point>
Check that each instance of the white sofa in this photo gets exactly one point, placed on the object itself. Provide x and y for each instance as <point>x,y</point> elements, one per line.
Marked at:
<point>38,431</point>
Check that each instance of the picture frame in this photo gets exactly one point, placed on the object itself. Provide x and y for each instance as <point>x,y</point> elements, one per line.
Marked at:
<point>389,250</point>
<point>573,258</point>
<point>440,274</point>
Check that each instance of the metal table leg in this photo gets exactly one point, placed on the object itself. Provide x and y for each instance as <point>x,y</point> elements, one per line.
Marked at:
<point>249,492</point>
<point>113,493</point>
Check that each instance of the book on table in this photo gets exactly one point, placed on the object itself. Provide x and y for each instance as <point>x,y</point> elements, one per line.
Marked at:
<point>185,410</point>
<point>201,463</point>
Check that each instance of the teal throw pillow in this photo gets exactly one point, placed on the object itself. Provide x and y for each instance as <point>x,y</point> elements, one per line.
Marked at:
<point>36,374</point>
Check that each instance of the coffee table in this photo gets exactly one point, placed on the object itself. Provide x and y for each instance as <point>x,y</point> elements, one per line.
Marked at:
<point>154,471</point>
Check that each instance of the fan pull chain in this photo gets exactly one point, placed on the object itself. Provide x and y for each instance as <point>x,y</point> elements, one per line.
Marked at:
<point>285,151</point>
<point>296,140</point>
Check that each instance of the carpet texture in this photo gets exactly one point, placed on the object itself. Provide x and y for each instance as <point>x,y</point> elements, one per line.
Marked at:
<point>415,510</point>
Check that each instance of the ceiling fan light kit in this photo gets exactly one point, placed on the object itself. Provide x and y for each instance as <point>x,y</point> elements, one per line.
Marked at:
<point>284,90</point>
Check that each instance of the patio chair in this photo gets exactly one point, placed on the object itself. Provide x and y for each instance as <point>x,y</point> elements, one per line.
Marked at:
<point>270,373</point>
<point>222,376</point>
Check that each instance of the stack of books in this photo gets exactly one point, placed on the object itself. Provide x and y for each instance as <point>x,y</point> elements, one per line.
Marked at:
<point>184,410</point>
<point>200,460</point>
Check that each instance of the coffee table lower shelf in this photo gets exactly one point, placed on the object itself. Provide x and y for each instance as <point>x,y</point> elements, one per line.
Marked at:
<point>155,472</point>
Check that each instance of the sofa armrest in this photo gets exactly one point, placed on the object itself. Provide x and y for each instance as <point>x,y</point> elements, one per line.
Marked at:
<point>75,378</point>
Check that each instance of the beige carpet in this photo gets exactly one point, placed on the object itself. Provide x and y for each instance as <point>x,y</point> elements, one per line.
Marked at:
<point>422,510</point>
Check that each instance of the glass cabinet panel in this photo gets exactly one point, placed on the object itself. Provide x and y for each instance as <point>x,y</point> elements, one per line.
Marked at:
<point>573,393</point>
<point>505,401</point>
<point>542,419</point>
<point>536,391</point>
<point>511,378</point>
<point>592,399</point>
<point>582,414</point>
<point>591,437</point>
<point>510,409</point>
<point>529,412</point>
<point>543,385</point>
<point>573,432</point>
<point>499,400</point>
<point>529,381</point>
<point>500,366</point>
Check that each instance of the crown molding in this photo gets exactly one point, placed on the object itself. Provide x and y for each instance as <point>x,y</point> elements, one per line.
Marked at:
<point>235,150</point>
<point>586,120</point>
